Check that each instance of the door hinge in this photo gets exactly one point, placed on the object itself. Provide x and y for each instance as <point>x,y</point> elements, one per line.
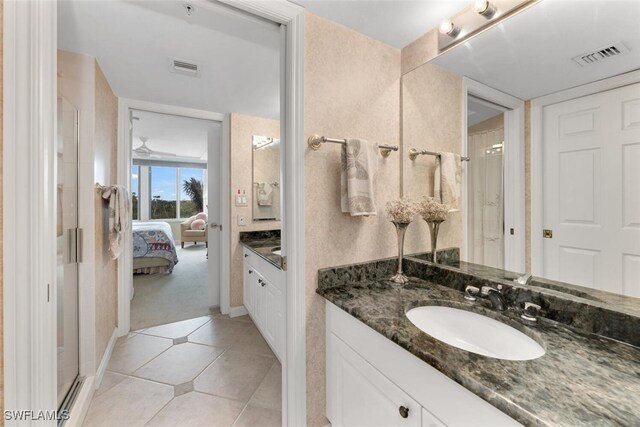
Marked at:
<point>547,234</point>
<point>283,263</point>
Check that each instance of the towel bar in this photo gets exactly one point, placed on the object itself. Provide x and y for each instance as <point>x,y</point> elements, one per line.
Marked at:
<point>316,141</point>
<point>413,154</point>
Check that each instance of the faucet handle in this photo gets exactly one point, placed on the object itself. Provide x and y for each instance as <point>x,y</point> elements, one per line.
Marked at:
<point>471,293</point>
<point>531,311</point>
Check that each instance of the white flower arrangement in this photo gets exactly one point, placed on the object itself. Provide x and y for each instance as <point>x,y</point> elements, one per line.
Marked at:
<point>431,210</point>
<point>402,210</point>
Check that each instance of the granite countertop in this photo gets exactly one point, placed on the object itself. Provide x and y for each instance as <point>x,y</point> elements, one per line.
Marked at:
<point>263,243</point>
<point>583,378</point>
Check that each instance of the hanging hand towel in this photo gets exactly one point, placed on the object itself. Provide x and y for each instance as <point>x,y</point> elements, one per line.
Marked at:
<point>446,180</point>
<point>265,194</point>
<point>119,215</point>
<point>359,165</point>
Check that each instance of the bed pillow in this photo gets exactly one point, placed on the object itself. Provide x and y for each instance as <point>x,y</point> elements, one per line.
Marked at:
<point>198,224</point>
<point>202,215</point>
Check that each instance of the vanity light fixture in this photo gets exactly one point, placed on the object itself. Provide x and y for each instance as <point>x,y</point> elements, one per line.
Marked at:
<point>484,8</point>
<point>449,28</point>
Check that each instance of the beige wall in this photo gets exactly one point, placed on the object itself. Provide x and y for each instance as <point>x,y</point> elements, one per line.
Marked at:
<point>420,51</point>
<point>352,89</point>
<point>495,122</point>
<point>242,129</point>
<point>105,140</point>
<point>82,83</point>
<point>431,120</point>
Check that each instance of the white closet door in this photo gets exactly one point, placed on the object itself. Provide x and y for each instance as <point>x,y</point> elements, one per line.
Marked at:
<point>592,191</point>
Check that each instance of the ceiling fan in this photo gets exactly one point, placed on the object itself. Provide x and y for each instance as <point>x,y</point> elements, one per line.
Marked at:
<point>145,151</point>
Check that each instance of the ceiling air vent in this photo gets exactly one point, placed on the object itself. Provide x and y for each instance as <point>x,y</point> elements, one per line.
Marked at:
<point>180,66</point>
<point>601,54</point>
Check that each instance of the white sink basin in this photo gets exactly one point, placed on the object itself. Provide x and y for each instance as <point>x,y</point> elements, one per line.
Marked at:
<point>475,333</point>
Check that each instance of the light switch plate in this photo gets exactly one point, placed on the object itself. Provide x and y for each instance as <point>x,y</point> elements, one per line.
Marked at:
<point>241,200</point>
<point>242,220</point>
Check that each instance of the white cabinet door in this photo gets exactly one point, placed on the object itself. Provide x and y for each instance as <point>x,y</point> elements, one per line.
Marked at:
<point>272,301</point>
<point>249,292</point>
<point>591,191</point>
<point>361,396</point>
<point>260,302</point>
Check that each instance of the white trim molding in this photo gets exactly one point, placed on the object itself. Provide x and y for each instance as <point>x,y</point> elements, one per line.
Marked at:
<point>29,254</point>
<point>106,357</point>
<point>237,311</point>
<point>537,154</point>
<point>513,178</point>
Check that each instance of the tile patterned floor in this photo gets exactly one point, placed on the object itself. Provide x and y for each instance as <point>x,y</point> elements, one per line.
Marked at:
<point>208,371</point>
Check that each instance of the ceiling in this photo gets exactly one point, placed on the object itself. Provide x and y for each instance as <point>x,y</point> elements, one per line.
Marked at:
<point>478,112</point>
<point>183,136</point>
<point>396,23</point>
<point>133,42</point>
<point>519,58</point>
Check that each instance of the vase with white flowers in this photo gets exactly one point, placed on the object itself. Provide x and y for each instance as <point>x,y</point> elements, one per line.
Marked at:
<point>434,214</point>
<point>401,212</point>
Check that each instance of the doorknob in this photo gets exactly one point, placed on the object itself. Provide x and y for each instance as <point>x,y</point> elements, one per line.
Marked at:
<point>213,225</point>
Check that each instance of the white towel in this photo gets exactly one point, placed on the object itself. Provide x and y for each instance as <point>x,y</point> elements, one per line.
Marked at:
<point>359,166</point>
<point>446,180</point>
<point>265,194</point>
<point>119,216</point>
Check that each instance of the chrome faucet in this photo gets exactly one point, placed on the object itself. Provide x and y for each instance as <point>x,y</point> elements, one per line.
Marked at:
<point>495,296</point>
<point>525,279</point>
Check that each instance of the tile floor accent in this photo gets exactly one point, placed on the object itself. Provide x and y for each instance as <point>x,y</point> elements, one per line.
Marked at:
<point>207,371</point>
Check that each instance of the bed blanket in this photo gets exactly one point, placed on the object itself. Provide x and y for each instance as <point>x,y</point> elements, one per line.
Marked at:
<point>154,239</point>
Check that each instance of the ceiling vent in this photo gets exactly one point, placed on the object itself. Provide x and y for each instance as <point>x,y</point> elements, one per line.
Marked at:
<point>601,54</point>
<point>181,66</point>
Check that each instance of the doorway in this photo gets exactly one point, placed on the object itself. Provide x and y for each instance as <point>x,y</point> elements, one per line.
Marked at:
<point>175,188</point>
<point>485,149</point>
<point>493,179</point>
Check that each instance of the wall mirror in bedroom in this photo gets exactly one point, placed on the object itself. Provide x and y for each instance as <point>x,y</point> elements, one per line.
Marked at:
<point>546,138</point>
<point>266,178</point>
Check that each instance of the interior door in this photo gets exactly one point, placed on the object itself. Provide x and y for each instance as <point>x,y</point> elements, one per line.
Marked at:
<point>592,191</point>
<point>67,250</point>
<point>212,203</point>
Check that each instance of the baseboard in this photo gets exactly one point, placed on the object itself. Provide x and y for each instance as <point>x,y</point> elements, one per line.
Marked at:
<point>105,359</point>
<point>237,311</point>
<point>81,405</point>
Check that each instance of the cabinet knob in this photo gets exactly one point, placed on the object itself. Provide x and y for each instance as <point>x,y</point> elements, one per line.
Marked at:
<point>250,271</point>
<point>246,255</point>
<point>404,411</point>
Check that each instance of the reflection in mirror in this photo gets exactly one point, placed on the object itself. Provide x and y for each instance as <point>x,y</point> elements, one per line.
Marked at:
<point>485,201</point>
<point>576,179</point>
<point>266,178</point>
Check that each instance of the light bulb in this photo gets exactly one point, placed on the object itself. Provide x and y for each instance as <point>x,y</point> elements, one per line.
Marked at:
<point>484,8</point>
<point>449,28</point>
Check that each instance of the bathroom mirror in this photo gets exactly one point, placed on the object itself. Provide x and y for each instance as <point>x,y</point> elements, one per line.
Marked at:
<point>266,178</point>
<point>552,132</point>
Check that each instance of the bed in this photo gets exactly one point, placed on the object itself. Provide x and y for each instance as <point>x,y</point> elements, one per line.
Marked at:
<point>154,250</point>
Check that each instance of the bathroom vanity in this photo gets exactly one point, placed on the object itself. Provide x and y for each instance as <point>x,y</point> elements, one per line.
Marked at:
<point>383,370</point>
<point>263,287</point>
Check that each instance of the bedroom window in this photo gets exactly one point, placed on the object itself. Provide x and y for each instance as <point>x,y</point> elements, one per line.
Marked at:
<point>135,192</point>
<point>164,192</point>
<point>175,192</point>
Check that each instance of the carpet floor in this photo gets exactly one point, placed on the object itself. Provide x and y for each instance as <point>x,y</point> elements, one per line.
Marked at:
<point>165,298</point>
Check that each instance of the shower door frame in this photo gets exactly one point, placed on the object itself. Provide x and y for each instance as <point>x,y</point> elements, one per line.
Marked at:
<point>513,172</point>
